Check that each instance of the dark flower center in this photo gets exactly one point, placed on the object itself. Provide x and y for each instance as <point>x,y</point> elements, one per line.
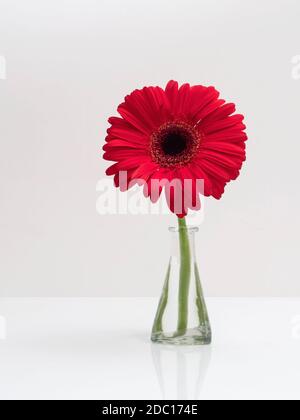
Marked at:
<point>174,144</point>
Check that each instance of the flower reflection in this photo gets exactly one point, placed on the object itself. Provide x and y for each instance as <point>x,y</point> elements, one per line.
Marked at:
<point>181,370</point>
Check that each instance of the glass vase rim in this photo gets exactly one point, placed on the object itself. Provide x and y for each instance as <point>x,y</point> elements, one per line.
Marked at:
<point>189,229</point>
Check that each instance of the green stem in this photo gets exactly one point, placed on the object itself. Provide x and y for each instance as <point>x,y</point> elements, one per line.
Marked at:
<point>184,278</point>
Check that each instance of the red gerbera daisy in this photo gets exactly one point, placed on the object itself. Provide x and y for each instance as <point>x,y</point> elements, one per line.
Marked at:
<point>180,134</point>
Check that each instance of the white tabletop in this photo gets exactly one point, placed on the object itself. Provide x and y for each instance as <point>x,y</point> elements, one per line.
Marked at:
<point>99,348</point>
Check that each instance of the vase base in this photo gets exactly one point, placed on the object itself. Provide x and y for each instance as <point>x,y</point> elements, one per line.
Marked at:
<point>191,337</point>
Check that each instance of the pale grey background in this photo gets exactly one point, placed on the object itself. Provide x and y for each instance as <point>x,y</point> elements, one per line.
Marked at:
<point>69,63</point>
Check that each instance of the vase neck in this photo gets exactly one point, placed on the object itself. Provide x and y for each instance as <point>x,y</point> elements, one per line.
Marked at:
<point>175,240</point>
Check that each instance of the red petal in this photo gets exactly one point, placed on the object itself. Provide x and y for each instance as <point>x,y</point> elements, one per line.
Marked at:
<point>121,154</point>
<point>172,95</point>
<point>183,102</point>
<point>223,159</point>
<point>233,122</point>
<point>122,144</point>
<point>201,175</point>
<point>214,169</point>
<point>156,183</point>
<point>220,113</point>
<point>191,190</point>
<point>121,129</point>
<point>225,147</point>
<point>145,170</point>
<point>229,136</point>
<point>203,102</point>
<point>124,165</point>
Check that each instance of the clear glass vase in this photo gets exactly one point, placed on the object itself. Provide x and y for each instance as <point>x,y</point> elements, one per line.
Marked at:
<point>181,316</point>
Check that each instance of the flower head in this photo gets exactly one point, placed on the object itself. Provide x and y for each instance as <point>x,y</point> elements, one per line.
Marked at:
<point>166,137</point>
